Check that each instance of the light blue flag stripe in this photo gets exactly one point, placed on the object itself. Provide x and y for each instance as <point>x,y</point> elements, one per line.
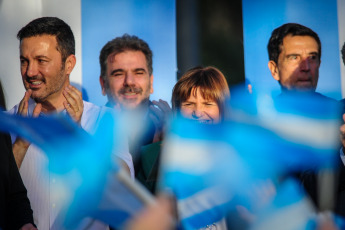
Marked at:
<point>254,144</point>
<point>70,149</point>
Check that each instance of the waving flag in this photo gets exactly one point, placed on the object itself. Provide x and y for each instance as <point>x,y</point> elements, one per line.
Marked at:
<point>210,169</point>
<point>95,185</point>
<point>290,209</point>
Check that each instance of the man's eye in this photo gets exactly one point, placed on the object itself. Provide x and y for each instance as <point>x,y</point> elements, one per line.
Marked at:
<point>313,57</point>
<point>41,61</point>
<point>293,57</point>
<point>140,72</point>
<point>22,61</point>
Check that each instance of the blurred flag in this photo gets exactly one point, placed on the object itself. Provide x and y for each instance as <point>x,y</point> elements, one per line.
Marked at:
<point>92,182</point>
<point>289,210</point>
<point>308,120</point>
<point>211,168</point>
<point>200,168</point>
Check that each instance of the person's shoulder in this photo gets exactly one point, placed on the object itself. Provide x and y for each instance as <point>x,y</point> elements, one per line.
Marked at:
<point>89,105</point>
<point>14,109</point>
<point>93,108</point>
<point>92,114</point>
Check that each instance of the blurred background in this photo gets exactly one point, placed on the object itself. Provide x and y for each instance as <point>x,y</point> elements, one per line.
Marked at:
<point>230,35</point>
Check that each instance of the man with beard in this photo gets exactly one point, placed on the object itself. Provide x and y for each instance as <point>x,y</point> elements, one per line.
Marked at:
<point>126,79</point>
<point>294,60</point>
<point>47,58</point>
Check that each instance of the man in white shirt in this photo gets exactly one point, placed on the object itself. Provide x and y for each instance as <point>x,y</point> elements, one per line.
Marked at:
<point>47,49</point>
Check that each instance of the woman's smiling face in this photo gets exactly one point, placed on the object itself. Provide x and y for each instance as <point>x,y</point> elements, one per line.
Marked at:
<point>199,109</point>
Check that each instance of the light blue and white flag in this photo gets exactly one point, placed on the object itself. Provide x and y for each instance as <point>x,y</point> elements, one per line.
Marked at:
<point>289,210</point>
<point>211,168</point>
<point>95,185</point>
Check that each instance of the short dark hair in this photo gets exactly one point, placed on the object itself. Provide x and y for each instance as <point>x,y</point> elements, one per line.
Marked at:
<point>293,29</point>
<point>51,26</point>
<point>121,44</point>
<point>343,53</point>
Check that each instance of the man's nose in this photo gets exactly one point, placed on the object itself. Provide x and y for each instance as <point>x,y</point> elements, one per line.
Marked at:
<point>305,64</point>
<point>31,70</point>
<point>129,79</point>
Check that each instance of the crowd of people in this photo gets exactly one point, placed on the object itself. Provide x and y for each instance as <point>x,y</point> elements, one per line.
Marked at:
<point>47,58</point>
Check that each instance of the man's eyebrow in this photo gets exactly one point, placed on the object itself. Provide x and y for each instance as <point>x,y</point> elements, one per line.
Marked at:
<point>139,69</point>
<point>42,57</point>
<point>292,54</point>
<point>315,53</point>
<point>116,71</point>
<point>36,57</point>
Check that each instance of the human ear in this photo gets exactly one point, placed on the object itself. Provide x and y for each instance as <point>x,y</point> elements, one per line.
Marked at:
<point>102,82</point>
<point>70,63</point>
<point>274,70</point>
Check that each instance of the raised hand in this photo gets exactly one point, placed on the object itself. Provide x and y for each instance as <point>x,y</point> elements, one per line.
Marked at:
<point>24,105</point>
<point>159,113</point>
<point>74,103</point>
<point>20,146</point>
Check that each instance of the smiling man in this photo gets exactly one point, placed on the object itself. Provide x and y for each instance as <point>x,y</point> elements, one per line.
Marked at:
<point>47,58</point>
<point>127,80</point>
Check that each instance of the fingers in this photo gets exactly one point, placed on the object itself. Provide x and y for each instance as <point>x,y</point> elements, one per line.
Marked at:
<point>161,111</point>
<point>37,110</point>
<point>24,103</point>
<point>74,103</point>
<point>74,98</point>
<point>163,105</point>
<point>20,145</point>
